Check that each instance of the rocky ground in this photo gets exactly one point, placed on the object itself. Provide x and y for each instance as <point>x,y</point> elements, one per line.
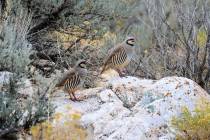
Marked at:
<point>126,108</point>
<point>131,108</point>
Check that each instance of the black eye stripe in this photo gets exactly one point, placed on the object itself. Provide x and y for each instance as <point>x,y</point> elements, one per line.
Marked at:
<point>130,43</point>
<point>82,64</point>
<point>131,39</point>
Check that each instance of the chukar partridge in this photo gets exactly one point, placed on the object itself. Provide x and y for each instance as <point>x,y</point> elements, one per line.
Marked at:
<point>120,56</point>
<point>73,79</point>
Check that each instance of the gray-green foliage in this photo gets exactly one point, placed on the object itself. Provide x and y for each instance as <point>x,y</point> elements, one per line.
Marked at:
<point>108,7</point>
<point>14,48</point>
<point>15,112</point>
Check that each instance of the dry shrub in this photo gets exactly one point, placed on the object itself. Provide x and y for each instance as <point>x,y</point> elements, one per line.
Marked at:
<point>193,125</point>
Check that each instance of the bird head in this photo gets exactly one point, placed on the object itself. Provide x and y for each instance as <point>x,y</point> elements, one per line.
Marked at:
<point>130,41</point>
<point>81,67</point>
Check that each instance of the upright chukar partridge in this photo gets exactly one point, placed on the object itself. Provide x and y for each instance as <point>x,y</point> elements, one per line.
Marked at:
<point>73,79</point>
<point>120,56</point>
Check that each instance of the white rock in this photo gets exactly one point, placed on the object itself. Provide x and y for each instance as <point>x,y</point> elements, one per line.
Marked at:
<point>133,109</point>
<point>5,77</point>
<point>26,88</point>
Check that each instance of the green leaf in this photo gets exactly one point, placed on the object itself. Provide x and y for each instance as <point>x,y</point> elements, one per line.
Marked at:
<point>201,37</point>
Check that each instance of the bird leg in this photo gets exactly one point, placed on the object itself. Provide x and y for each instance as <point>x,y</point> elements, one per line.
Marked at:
<point>75,99</point>
<point>121,73</point>
<point>70,96</point>
<point>125,70</point>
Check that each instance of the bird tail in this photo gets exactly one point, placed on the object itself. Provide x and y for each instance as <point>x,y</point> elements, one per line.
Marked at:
<point>104,68</point>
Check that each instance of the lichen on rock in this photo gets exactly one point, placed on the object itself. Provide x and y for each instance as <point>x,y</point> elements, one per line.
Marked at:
<point>133,108</point>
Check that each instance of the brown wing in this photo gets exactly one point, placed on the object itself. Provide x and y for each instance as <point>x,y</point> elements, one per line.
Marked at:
<point>112,53</point>
<point>66,76</point>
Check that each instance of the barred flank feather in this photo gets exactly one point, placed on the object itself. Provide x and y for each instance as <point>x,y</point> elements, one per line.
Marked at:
<point>72,83</point>
<point>119,58</point>
<point>116,59</point>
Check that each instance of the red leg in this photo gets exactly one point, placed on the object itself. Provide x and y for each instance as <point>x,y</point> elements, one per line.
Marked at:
<point>75,99</point>
<point>121,74</point>
<point>125,70</point>
<point>70,96</point>
<point>74,96</point>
